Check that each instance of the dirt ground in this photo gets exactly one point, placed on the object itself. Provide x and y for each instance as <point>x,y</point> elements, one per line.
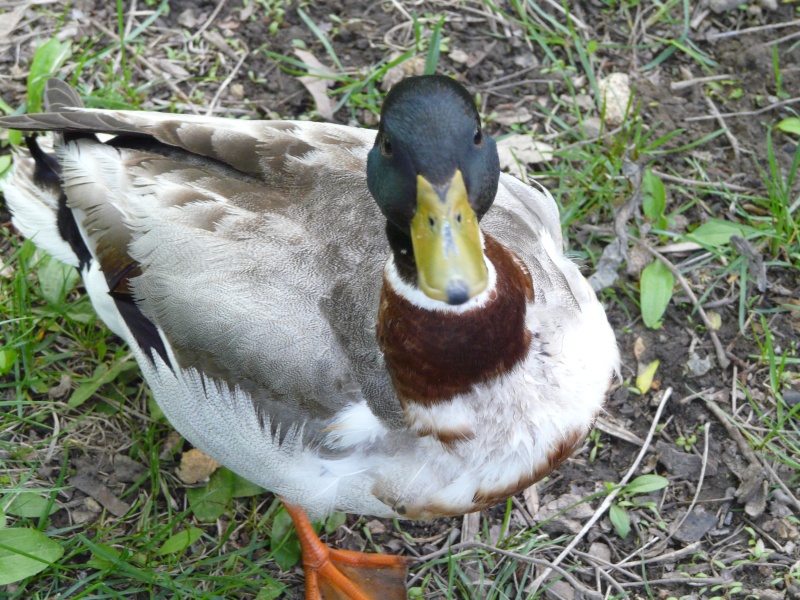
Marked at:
<point>738,500</point>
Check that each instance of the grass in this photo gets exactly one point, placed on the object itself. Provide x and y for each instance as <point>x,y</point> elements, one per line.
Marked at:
<point>70,394</point>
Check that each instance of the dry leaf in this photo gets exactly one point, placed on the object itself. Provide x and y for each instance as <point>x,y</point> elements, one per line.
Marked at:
<point>12,19</point>
<point>408,68</point>
<point>196,467</point>
<point>638,348</point>
<point>458,55</point>
<point>644,380</point>
<point>91,486</point>
<point>508,114</point>
<point>317,84</point>
<point>516,151</point>
<point>531,497</point>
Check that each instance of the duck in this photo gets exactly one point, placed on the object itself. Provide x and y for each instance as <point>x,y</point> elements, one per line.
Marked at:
<point>370,322</point>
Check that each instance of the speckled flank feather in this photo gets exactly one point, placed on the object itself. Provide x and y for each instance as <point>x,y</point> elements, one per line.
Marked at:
<point>256,252</point>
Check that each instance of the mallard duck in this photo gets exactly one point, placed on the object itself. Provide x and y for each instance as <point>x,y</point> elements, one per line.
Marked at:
<point>376,323</point>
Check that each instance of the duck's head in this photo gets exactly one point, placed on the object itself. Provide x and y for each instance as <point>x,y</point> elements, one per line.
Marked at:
<point>434,173</point>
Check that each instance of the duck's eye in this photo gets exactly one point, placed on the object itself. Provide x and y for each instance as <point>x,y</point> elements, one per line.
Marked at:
<point>386,146</point>
<point>478,137</point>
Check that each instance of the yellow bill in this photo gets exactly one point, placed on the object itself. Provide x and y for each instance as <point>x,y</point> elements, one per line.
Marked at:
<point>447,242</point>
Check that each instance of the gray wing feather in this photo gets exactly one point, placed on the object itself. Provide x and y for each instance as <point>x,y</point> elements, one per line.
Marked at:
<point>237,229</point>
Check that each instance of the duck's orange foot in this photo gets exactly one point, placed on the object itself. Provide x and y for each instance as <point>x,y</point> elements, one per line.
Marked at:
<point>344,575</point>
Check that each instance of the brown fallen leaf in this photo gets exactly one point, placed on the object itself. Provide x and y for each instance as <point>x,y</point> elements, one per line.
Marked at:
<point>516,151</point>
<point>196,467</point>
<point>93,487</point>
<point>317,83</point>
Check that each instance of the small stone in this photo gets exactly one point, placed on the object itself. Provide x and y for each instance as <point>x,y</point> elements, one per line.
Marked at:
<point>458,56</point>
<point>592,125</point>
<point>560,590</point>
<point>237,91</point>
<point>765,594</point>
<point>791,398</point>
<point>695,526</point>
<point>187,18</point>
<point>600,551</point>
<point>698,366</point>
<point>615,95</point>
<point>375,527</point>
<point>720,6</point>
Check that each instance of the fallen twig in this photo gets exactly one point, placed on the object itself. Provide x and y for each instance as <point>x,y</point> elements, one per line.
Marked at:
<point>609,499</point>
<point>745,113</point>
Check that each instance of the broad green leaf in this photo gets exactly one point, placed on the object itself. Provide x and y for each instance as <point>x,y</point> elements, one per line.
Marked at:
<point>655,291</point>
<point>242,488</point>
<point>180,541</point>
<point>269,588</point>
<point>646,483</point>
<point>106,557</point>
<point>716,232</point>
<point>46,61</point>
<point>210,501</point>
<point>56,279</point>
<point>30,505</point>
<point>8,357</point>
<point>5,163</point>
<point>644,380</point>
<point>283,541</point>
<point>335,521</point>
<point>102,375</point>
<point>789,125</point>
<point>82,312</point>
<point>654,201</point>
<point>25,552</point>
<point>620,520</point>
<point>101,557</point>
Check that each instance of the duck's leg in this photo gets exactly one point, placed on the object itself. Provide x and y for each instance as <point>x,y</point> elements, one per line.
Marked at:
<point>333,574</point>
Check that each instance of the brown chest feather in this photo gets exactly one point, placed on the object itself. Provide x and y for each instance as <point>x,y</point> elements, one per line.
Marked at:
<point>435,355</point>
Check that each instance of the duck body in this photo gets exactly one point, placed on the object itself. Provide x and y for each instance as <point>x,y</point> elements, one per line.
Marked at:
<point>269,306</point>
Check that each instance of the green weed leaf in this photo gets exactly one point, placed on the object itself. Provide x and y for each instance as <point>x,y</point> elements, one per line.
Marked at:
<point>620,520</point>
<point>48,59</point>
<point>102,375</point>
<point>716,232</point>
<point>645,484</point>
<point>789,125</point>
<point>654,201</point>
<point>210,501</point>
<point>56,279</point>
<point>244,489</point>
<point>31,506</point>
<point>283,541</point>
<point>25,552</point>
<point>655,288</point>
<point>8,357</point>
<point>269,588</point>
<point>335,521</point>
<point>180,541</point>
<point>434,48</point>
